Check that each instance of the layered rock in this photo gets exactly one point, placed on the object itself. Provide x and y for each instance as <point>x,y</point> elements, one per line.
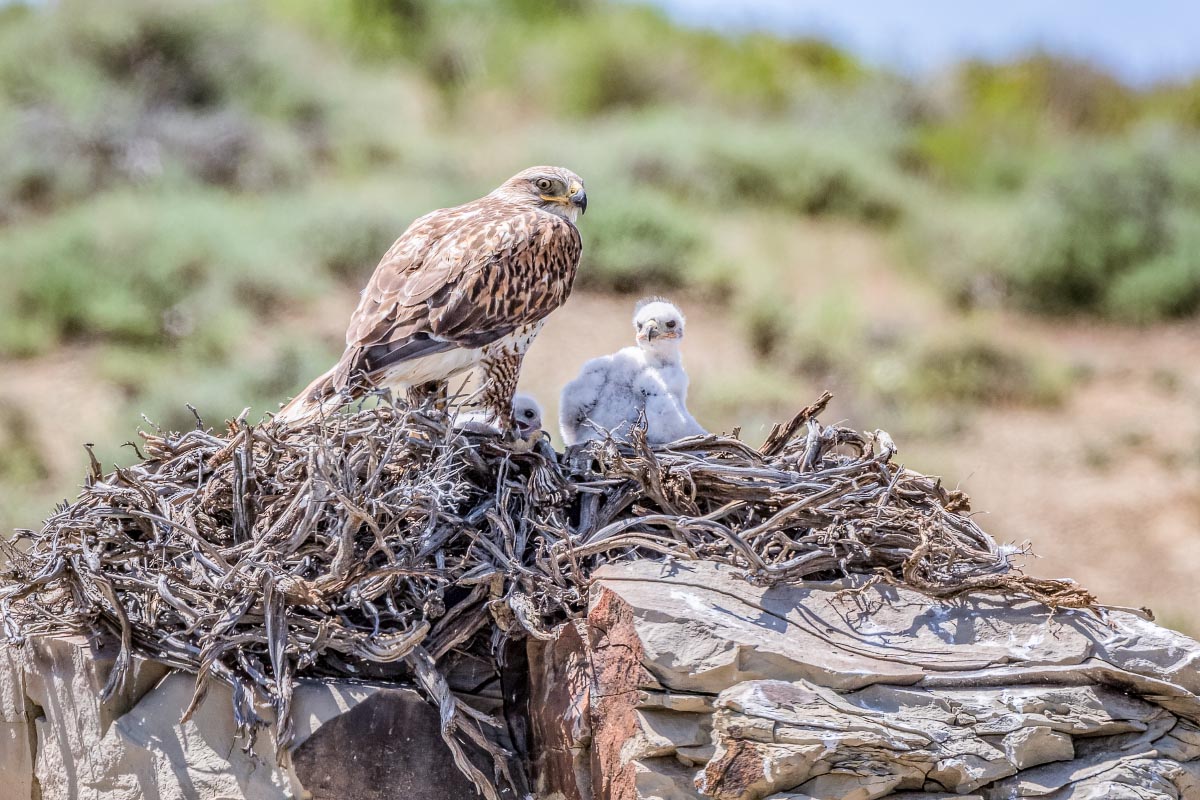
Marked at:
<point>364,741</point>
<point>687,682</point>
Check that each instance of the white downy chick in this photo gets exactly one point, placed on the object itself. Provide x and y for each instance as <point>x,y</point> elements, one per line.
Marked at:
<point>612,391</point>
<point>527,418</point>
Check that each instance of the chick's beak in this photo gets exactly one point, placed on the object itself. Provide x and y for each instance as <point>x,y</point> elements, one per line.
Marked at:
<point>579,198</point>
<point>652,331</point>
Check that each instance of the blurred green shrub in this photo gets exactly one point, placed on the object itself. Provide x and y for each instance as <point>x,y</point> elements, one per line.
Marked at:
<point>968,154</point>
<point>797,167</point>
<point>138,92</point>
<point>126,269</point>
<point>960,246</point>
<point>346,236</point>
<point>611,61</point>
<point>1109,232</point>
<point>1084,227</point>
<point>769,322</point>
<point>820,335</point>
<point>579,58</point>
<point>159,268</point>
<point>639,240</point>
<point>22,460</point>
<point>1167,285</point>
<point>977,370</point>
<point>828,334</point>
<point>808,179</point>
<point>827,337</point>
<point>1047,89</point>
<point>1179,102</point>
<point>985,126</point>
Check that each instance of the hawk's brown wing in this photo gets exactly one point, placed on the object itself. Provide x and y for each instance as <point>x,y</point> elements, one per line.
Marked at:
<point>461,277</point>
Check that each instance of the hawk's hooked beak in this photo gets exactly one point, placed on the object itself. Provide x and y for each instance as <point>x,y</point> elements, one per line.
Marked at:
<point>651,331</point>
<point>578,197</point>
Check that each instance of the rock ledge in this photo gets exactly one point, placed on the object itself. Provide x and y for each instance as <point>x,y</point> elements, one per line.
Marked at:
<point>686,682</point>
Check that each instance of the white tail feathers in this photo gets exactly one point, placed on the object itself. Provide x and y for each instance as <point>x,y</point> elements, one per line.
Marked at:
<point>317,399</point>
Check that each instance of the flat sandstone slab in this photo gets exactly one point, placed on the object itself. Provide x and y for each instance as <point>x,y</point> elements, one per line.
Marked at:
<point>686,681</point>
<point>703,628</point>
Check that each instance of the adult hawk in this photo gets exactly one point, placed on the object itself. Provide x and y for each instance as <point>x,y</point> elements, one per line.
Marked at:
<point>462,287</point>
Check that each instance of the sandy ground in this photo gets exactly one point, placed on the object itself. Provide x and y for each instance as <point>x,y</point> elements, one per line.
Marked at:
<point>1107,488</point>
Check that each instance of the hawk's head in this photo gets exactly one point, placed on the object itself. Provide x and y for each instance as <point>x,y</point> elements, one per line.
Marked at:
<point>527,415</point>
<point>553,189</point>
<point>658,324</point>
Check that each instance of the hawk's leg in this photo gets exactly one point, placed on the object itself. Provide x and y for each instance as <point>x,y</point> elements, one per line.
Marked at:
<point>435,392</point>
<point>499,372</point>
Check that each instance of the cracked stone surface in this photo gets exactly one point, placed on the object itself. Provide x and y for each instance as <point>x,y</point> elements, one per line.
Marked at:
<point>687,682</point>
<point>60,742</point>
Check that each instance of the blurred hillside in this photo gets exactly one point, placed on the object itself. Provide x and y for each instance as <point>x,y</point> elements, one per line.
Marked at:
<point>1001,266</point>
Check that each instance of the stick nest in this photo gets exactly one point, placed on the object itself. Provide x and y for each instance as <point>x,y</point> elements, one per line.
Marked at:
<point>385,544</point>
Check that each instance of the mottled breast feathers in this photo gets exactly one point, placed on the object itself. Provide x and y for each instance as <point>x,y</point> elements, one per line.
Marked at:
<point>462,277</point>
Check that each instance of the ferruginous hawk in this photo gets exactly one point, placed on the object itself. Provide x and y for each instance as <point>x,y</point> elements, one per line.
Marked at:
<point>463,287</point>
<point>613,391</point>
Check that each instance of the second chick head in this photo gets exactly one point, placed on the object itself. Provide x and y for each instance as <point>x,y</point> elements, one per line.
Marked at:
<point>527,415</point>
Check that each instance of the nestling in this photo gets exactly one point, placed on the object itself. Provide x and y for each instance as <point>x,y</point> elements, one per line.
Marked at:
<point>613,391</point>
<point>526,418</point>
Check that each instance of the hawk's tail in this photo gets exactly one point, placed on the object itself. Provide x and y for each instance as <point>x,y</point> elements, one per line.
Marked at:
<point>322,396</point>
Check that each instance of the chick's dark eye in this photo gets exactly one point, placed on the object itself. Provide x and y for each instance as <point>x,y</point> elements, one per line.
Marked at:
<point>529,413</point>
<point>543,184</point>
<point>671,324</point>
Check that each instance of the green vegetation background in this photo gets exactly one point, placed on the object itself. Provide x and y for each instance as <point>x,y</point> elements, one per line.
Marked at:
<point>180,182</point>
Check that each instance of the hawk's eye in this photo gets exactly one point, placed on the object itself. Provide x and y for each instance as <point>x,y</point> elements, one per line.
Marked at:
<point>529,413</point>
<point>671,324</point>
<point>543,184</point>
